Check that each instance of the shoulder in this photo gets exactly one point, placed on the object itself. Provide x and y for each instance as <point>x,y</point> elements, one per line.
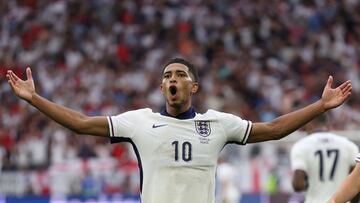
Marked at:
<point>331,137</point>
<point>303,143</point>
<point>217,115</point>
<point>314,138</point>
<point>137,112</point>
<point>341,139</point>
<point>210,112</point>
<point>299,149</point>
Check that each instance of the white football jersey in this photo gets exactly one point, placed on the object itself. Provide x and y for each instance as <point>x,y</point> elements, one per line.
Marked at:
<point>327,159</point>
<point>178,157</point>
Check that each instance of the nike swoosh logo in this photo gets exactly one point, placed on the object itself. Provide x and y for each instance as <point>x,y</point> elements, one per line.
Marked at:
<point>157,126</point>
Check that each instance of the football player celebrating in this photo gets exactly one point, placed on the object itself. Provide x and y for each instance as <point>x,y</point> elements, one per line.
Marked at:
<point>177,149</point>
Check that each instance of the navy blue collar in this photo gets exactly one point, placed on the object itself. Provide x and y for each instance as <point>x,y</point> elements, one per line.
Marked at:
<point>318,130</point>
<point>190,113</point>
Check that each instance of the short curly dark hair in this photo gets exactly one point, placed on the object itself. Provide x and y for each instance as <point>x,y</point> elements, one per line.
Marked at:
<point>191,67</point>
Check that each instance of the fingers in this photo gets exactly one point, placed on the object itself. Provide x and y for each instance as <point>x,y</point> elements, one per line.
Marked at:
<point>11,82</point>
<point>28,73</point>
<point>329,81</point>
<point>347,88</point>
<point>10,76</point>
<point>345,85</point>
<point>13,76</point>
<point>12,79</point>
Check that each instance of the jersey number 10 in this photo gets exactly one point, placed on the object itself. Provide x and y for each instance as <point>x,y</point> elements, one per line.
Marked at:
<point>186,151</point>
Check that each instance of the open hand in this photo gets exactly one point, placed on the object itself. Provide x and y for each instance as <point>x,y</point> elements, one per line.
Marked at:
<point>23,89</point>
<point>333,97</point>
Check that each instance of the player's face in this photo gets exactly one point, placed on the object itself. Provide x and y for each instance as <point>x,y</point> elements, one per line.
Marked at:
<point>177,85</point>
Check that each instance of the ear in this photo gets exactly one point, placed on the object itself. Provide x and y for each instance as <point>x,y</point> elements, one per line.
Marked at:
<point>162,89</point>
<point>195,87</point>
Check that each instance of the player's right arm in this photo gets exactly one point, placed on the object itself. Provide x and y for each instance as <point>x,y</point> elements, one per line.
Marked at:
<point>75,121</point>
<point>299,165</point>
<point>299,181</point>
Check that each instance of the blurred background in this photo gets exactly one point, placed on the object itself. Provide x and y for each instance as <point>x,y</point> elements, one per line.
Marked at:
<point>256,59</point>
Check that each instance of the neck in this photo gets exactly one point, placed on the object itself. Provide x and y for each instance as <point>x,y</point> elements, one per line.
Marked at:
<point>175,110</point>
<point>180,114</point>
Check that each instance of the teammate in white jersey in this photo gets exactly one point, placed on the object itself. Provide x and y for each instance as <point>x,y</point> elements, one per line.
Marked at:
<point>321,161</point>
<point>177,149</point>
<point>350,187</point>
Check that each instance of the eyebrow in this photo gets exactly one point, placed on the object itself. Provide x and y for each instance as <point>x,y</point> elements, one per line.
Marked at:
<point>177,71</point>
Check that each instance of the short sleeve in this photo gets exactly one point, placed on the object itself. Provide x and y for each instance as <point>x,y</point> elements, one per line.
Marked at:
<point>297,159</point>
<point>354,152</point>
<point>357,158</point>
<point>122,126</point>
<point>237,130</point>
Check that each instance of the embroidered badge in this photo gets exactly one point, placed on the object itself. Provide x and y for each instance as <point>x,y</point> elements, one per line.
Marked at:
<point>203,128</point>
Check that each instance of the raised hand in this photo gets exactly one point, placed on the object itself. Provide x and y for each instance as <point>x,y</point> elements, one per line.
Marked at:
<point>333,97</point>
<point>23,89</point>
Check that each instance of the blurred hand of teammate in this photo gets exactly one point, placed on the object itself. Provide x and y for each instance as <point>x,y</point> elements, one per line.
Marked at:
<point>23,89</point>
<point>333,97</point>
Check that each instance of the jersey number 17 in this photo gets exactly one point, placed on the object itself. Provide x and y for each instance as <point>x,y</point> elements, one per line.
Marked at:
<point>332,154</point>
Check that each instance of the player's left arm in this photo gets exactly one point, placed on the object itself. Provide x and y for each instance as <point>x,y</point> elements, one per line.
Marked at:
<point>288,123</point>
<point>356,198</point>
<point>299,180</point>
<point>348,188</point>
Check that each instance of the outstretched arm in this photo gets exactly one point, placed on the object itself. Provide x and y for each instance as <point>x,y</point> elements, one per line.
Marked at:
<point>349,188</point>
<point>288,123</point>
<point>70,119</point>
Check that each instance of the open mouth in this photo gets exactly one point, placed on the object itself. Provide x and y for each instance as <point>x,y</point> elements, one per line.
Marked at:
<point>173,90</point>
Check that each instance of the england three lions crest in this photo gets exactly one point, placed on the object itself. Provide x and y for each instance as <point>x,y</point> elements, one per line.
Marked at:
<point>203,128</point>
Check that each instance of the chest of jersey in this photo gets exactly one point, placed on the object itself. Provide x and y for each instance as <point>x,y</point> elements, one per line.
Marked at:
<point>173,142</point>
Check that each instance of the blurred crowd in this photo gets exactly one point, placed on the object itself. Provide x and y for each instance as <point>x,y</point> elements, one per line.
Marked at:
<point>256,59</point>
